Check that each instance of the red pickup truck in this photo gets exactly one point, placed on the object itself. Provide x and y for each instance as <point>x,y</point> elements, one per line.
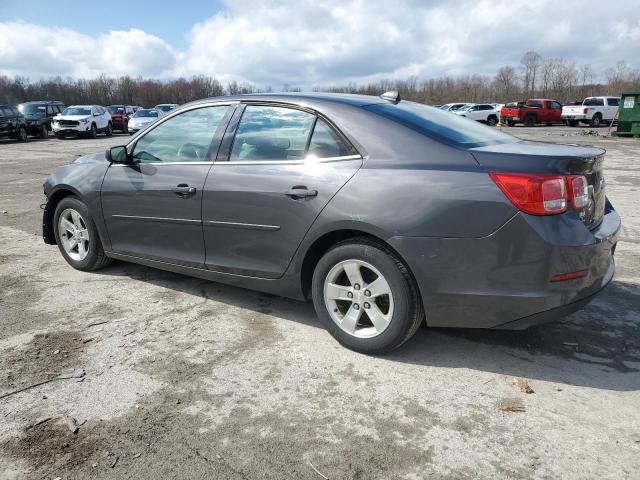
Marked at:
<point>532,112</point>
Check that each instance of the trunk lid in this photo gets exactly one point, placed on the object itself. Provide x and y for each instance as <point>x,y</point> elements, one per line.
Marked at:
<point>539,157</point>
<point>572,110</point>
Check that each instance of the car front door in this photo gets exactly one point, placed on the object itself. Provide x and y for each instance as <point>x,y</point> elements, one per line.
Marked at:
<point>153,205</point>
<point>268,185</point>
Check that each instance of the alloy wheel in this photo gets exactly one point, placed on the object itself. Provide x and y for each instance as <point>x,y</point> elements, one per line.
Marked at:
<point>358,298</point>
<point>74,234</point>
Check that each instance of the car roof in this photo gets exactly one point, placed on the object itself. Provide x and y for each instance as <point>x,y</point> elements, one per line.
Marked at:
<point>297,97</point>
<point>48,102</point>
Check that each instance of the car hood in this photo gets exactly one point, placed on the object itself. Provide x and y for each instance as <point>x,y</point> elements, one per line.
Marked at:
<point>91,158</point>
<point>34,116</point>
<point>144,119</point>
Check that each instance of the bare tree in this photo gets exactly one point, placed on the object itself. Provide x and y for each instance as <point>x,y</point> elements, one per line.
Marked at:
<point>505,84</point>
<point>530,63</point>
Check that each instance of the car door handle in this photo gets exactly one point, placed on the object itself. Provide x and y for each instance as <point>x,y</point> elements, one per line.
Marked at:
<point>183,190</point>
<point>301,191</point>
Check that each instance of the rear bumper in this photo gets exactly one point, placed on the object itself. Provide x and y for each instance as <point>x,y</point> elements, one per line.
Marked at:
<point>503,280</point>
<point>577,117</point>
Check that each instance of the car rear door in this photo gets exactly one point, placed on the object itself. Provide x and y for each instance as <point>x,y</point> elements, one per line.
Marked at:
<point>153,206</point>
<point>277,168</point>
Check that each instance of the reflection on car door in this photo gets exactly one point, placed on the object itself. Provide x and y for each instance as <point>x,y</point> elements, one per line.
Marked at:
<point>268,185</point>
<point>152,207</point>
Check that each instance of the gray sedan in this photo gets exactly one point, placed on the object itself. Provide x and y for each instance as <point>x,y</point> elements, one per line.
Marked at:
<point>387,213</point>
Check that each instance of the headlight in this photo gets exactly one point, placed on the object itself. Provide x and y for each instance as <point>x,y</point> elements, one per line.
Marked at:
<point>84,120</point>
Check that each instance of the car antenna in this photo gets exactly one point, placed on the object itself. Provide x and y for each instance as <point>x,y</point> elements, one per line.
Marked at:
<point>391,96</point>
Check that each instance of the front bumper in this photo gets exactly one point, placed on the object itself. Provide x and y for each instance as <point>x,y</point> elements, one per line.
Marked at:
<point>71,129</point>
<point>503,280</point>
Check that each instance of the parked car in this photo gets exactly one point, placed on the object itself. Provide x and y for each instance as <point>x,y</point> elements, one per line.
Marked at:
<point>142,118</point>
<point>39,115</point>
<point>482,112</point>
<point>595,111</point>
<point>120,115</point>
<point>452,107</point>
<point>533,112</point>
<point>12,123</point>
<point>165,107</point>
<point>379,209</point>
<point>83,120</point>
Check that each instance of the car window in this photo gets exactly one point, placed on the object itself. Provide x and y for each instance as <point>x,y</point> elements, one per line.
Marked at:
<point>486,107</point>
<point>441,125</point>
<point>557,105</point>
<point>183,138</point>
<point>534,103</point>
<point>326,143</point>
<point>613,102</point>
<point>271,133</point>
<point>593,102</point>
<point>6,111</point>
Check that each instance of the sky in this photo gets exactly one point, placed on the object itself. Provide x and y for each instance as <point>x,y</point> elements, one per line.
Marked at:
<point>310,43</point>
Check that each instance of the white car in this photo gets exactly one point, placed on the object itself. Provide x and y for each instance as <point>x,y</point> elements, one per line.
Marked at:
<point>594,110</point>
<point>142,118</point>
<point>165,107</point>
<point>482,112</point>
<point>83,120</point>
<point>452,107</point>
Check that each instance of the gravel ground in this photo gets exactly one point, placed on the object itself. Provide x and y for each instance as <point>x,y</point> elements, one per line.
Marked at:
<point>191,379</point>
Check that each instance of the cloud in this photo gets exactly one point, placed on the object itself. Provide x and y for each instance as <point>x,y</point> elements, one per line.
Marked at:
<point>48,51</point>
<point>327,42</point>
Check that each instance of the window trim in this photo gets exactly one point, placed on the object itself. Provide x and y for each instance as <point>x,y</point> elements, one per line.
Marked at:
<point>232,128</point>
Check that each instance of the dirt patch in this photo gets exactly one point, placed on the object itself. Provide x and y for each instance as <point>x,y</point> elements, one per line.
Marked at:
<point>44,357</point>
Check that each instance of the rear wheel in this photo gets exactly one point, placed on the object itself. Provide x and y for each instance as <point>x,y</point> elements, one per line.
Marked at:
<point>596,120</point>
<point>530,121</point>
<point>511,123</point>
<point>366,297</point>
<point>492,121</point>
<point>44,133</point>
<point>77,236</point>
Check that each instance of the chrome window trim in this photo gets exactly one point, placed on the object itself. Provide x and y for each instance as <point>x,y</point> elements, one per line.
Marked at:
<point>253,162</point>
<point>158,219</point>
<point>249,226</point>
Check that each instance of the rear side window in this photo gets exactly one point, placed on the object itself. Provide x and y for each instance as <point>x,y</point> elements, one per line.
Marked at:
<point>593,102</point>
<point>271,133</point>
<point>326,143</point>
<point>534,104</point>
<point>613,102</point>
<point>441,125</point>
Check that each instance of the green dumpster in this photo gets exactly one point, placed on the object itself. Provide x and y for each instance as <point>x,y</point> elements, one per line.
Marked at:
<point>629,115</point>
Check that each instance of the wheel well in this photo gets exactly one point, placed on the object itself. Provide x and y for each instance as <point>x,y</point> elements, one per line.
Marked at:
<point>49,213</point>
<point>324,243</point>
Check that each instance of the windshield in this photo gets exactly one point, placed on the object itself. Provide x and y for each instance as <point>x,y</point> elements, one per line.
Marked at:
<point>32,109</point>
<point>441,125</point>
<point>458,106</point>
<point>164,108</point>
<point>116,109</point>
<point>466,107</point>
<point>145,113</point>
<point>77,111</point>
<point>593,102</point>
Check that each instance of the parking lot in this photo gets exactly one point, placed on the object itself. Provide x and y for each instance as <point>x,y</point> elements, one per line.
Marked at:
<point>166,376</point>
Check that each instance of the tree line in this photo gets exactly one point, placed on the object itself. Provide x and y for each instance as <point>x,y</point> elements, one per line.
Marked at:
<point>534,76</point>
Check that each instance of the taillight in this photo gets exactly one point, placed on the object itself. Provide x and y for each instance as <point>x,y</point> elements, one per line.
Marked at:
<point>542,194</point>
<point>578,191</point>
<point>585,110</point>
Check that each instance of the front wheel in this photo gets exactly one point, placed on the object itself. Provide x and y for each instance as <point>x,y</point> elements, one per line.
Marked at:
<point>77,236</point>
<point>366,297</point>
<point>93,133</point>
<point>109,131</point>
<point>530,121</point>
<point>22,134</point>
<point>44,133</point>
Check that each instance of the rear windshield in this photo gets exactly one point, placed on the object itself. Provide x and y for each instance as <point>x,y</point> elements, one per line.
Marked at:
<point>146,113</point>
<point>441,125</point>
<point>76,111</point>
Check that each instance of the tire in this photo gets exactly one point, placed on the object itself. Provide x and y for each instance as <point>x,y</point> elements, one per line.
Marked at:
<point>511,123</point>
<point>492,121</point>
<point>44,133</point>
<point>549,124</point>
<point>596,121</point>
<point>94,131</point>
<point>572,123</point>
<point>530,121</point>
<point>125,129</point>
<point>402,305</point>
<point>109,130</point>
<point>22,134</point>
<point>59,136</point>
<point>95,257</point>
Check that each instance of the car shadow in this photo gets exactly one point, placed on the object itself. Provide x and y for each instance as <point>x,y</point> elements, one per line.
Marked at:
<point>597,347</point>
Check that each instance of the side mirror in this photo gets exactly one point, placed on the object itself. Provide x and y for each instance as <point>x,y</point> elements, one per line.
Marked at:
<point>117,154</point>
